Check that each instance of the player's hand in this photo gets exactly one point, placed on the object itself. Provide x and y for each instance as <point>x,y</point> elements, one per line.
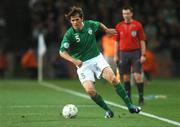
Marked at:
<point>77,63</point>
<point>111,31</point>
<point>143,59</point>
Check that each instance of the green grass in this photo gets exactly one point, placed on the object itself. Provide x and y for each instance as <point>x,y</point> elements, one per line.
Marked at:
<point>25,103</point>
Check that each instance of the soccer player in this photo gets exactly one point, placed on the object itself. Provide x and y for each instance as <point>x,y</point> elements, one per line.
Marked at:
<point>79,47</point>
<point>130,44</point>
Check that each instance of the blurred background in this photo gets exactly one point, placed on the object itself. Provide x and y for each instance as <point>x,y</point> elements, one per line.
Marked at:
<point>21,22</point>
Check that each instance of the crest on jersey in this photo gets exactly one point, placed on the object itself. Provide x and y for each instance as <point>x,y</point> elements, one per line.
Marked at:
<point>90,31</point>
<point>134,33</point>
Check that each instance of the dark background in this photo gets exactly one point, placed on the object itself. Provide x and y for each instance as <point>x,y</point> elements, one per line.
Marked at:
<point>22,20</point>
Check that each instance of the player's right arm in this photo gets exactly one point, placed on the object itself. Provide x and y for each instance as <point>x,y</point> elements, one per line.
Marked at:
<point>63,51</point>
<point>66,56</point>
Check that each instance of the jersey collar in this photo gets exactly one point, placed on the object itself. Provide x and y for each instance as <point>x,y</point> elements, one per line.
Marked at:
<point>80,31</point>
<point>128,22</point>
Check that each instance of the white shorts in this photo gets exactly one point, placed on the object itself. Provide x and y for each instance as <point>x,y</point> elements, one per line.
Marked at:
<point>92,69</point>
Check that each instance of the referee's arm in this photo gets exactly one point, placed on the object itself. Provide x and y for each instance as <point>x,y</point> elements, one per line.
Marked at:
<point>143,50</point>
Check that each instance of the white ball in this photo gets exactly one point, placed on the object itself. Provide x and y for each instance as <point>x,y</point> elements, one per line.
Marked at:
<point>69,111</point>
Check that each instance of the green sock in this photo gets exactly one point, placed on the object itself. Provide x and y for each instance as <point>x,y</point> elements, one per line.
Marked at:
<point>127,86</point>
<point>99,101</point>
<point>122,93</point>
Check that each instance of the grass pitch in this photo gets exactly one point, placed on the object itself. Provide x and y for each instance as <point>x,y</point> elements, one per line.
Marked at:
<point>26,103</point>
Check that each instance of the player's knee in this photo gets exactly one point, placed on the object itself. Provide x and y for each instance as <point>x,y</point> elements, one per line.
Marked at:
<point>114,81</point>
<point>91,93</point>
<point>138,78</point>
<point>126,77</point>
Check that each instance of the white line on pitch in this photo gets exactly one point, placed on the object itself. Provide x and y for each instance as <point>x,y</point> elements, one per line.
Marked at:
<point>57,88</point>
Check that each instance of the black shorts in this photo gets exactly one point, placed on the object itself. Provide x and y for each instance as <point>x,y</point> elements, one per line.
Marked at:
<point>130,60</point>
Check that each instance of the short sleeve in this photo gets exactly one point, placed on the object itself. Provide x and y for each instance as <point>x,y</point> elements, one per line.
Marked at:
<point>65,43</point>
<point>95,25</point>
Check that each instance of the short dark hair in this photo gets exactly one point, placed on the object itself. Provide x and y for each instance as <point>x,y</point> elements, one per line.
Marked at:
<point>127,7</point>
<point>73,12</point>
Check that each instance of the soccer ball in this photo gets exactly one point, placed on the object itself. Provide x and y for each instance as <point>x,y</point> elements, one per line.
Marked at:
<point>69,111</point>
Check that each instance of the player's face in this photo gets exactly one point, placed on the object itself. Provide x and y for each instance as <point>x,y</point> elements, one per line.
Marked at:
<point>77,22</point>
<point>127,15</point>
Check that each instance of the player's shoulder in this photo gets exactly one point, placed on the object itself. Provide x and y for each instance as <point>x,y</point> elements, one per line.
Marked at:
<point>90,21</point>
<point>69,31</point>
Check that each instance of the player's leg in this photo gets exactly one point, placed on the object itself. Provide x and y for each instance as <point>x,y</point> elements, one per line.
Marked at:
<point>87,79</point>
<point>140,86</point>
<point>137,69</point>
<point>90,89</point>
<point>125,69</point>
<point>110,77</point>
<point>127,84</point>
<point>111,62</point>
<point>101,68</point>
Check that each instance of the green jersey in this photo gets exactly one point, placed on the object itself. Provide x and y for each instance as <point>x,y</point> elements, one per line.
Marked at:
<point>81,44</point>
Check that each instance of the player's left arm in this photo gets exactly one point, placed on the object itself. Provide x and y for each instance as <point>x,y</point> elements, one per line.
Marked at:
<point>107,30</point>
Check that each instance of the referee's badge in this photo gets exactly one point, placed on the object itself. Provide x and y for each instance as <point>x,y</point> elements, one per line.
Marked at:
<point>134,33</point>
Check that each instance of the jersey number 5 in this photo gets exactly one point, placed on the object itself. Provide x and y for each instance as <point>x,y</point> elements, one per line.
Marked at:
<point>77,38</point>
